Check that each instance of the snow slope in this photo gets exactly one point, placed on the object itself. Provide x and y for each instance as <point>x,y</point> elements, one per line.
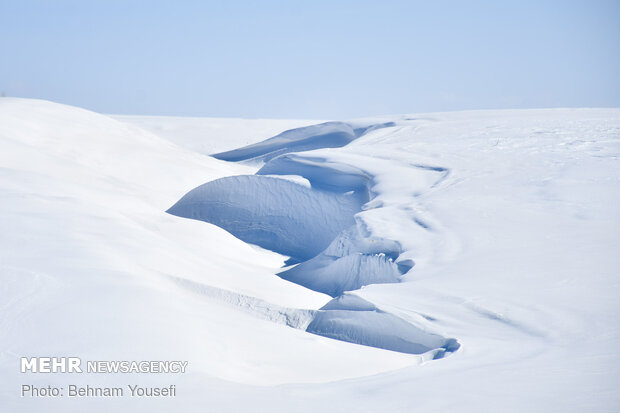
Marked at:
<point>499,229</point>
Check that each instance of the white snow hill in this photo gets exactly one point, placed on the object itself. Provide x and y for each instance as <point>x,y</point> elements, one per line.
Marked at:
<point>463,261</point>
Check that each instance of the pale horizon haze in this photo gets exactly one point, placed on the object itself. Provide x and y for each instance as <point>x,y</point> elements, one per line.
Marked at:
<point>313,60</point>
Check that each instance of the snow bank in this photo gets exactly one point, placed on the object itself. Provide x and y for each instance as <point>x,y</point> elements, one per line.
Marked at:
<point>315,225</point>
<point>334,275</point>
<point>379,329</point>
<point>353,319</point>
<point>273,213</point>
<point>324,135</point>
<point>517,257</point>
<point>351,261</point>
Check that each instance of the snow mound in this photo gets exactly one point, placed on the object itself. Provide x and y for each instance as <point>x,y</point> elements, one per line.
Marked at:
<point>351,261</point>
<point>349,302</point>
<point>333,276</point>
<point>274,213</point>
<point>323,135</point>
<point>355,320</point>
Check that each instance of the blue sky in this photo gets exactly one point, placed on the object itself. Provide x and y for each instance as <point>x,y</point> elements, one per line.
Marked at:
<point>311,59</point>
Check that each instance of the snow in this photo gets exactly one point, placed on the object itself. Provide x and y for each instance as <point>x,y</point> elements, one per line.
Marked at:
<point>324,135</point>
<point>475,259</point>
<point>276,214</point>
<point>350,262</point>
<point>211,135</point>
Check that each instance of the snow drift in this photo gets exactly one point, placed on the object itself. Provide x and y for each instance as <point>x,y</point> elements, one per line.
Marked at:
<point>274,213</point>
<point>318,227</point>
<point>351,261</point>
<point>353,319</point>
<point>322,174</point>
<point>514,239</point>
<point>324,135</point>
<point>314,226</point>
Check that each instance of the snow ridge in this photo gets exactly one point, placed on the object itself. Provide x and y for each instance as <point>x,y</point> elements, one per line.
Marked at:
<point>324,135</point>
<point>291,317</point>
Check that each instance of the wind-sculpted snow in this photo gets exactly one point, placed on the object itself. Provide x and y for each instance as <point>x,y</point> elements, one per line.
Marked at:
<point>510,216</point>
<point>347,318</point>
<point>314,225</point>
<point>318,228</point>
<point>294,318</point>
<point>322,174</point>
<point>350,262</point>
<point>350,302</point>
<point>324,135</point>
<point>355,258</point>
<point>273,213</point>
<point>334,275</point>
<point>353,319</point>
